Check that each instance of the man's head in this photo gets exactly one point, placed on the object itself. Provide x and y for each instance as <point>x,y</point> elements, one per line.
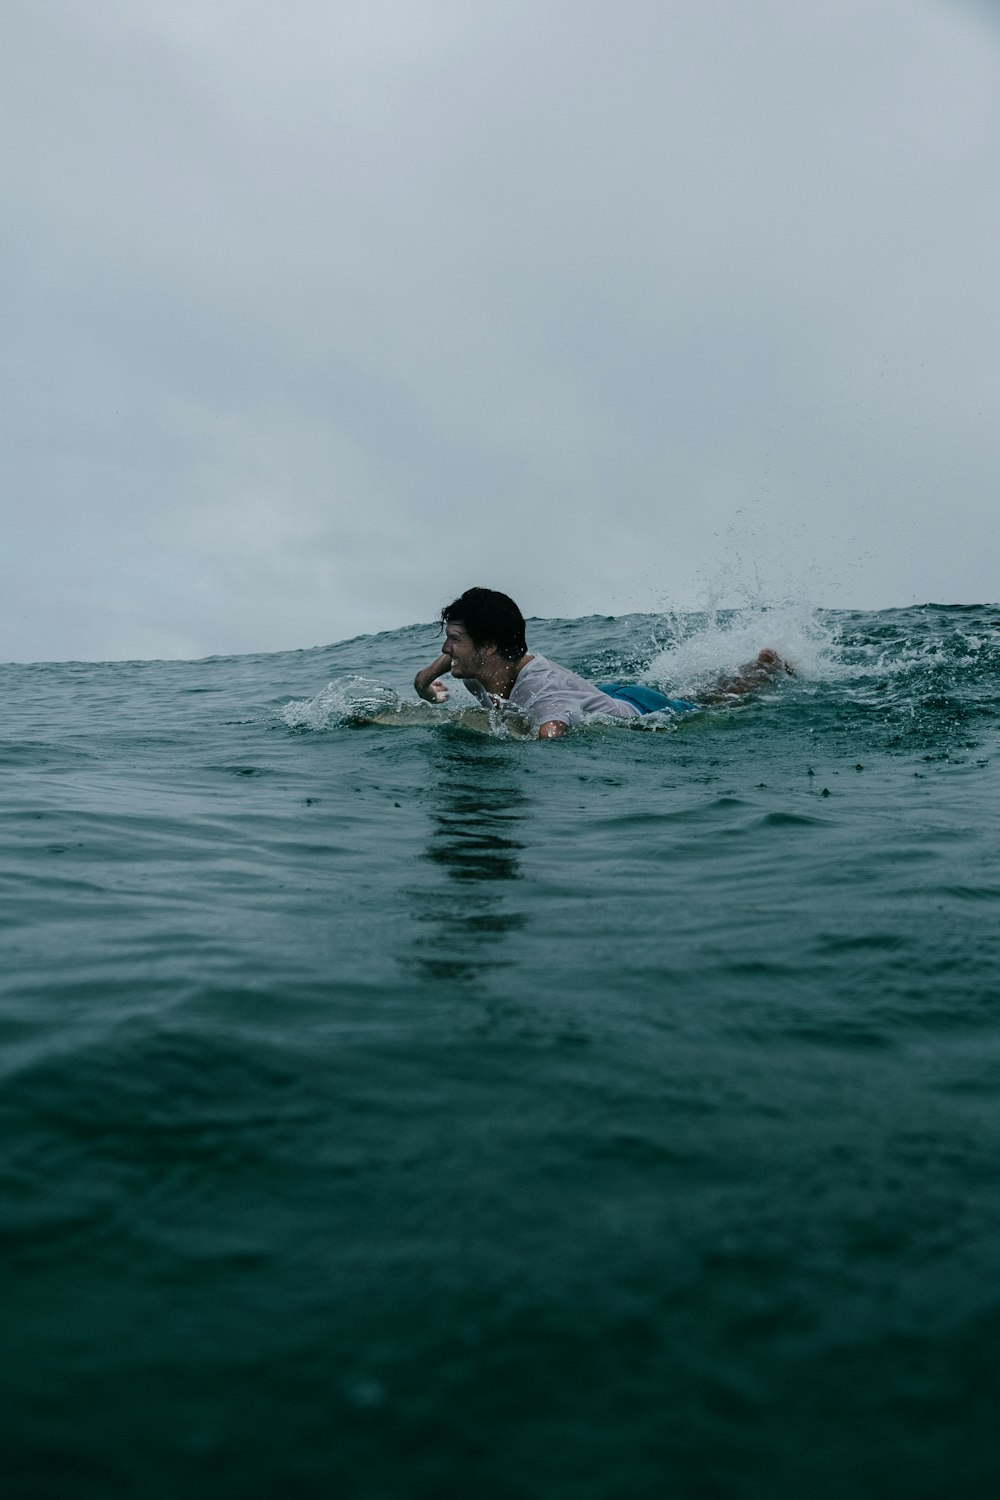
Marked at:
<point>489,619</point>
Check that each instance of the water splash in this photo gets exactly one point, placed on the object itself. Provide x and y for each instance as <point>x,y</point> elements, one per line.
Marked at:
<point>346,700</point>
<point>702,647</point>
<point>357,700</point>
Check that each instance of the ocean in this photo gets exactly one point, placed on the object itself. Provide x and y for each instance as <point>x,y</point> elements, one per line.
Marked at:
<point>400,1109</point>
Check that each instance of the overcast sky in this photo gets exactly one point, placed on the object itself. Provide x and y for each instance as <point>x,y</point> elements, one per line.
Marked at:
<point>316,313</point>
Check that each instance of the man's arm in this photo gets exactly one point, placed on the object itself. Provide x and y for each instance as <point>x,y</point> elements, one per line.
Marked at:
<point>426,681</point>
<point>552,729</point>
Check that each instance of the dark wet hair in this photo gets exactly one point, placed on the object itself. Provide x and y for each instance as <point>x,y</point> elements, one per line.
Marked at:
<point>491,619</point>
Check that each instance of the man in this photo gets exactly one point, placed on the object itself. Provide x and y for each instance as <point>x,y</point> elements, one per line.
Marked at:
<point>485,647</point>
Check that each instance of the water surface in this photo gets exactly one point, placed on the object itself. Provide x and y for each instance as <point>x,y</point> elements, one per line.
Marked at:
<point>399,1110</point>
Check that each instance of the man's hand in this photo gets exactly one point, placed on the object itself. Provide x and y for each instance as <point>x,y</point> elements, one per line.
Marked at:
<point>427,681</point>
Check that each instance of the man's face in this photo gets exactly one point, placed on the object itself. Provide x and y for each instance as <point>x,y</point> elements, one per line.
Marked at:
<point>466,657</point>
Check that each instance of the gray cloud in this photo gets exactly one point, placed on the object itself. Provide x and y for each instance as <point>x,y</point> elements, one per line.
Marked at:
<point>316,315</point>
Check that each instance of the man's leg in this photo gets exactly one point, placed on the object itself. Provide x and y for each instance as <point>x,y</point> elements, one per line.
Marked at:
<point>755,674</point>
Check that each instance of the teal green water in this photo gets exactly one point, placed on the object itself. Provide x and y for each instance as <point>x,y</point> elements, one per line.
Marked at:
<point>397,1110</point>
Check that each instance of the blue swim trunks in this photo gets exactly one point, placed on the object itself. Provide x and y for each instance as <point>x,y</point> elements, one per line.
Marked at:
<point>647,700</point>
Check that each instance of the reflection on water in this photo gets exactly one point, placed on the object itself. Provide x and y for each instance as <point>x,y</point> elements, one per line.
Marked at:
<point>479,808</point>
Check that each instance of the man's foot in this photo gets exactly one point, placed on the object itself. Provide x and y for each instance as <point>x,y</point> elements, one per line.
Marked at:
<point>772,663</point>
